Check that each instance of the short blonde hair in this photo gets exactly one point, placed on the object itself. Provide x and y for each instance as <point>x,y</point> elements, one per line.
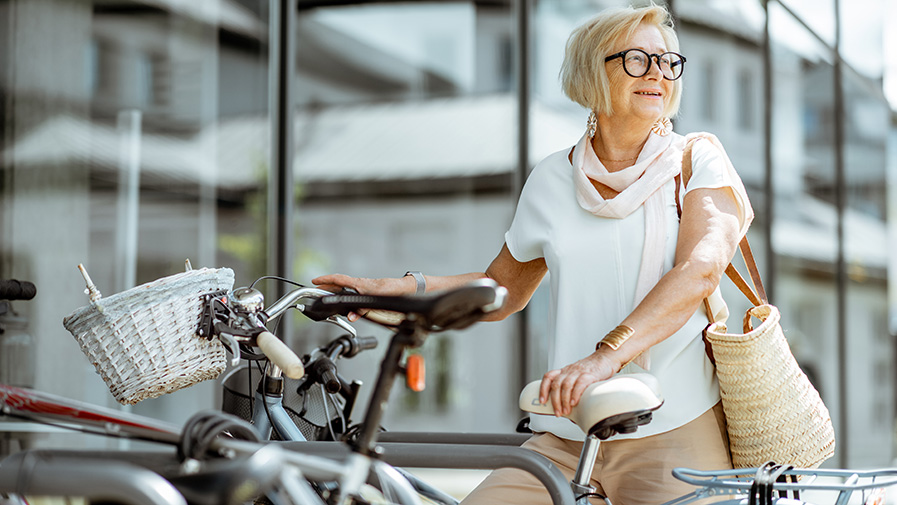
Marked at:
<point>584,77</point>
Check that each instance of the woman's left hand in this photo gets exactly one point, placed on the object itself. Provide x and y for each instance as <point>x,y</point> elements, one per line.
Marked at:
<point>564,387</point>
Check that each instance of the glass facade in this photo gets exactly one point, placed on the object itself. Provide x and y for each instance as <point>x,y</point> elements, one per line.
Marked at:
<point>406,153</point>
<point>135,136</point>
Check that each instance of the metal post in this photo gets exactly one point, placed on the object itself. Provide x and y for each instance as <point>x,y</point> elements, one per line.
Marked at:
<point>523,16</point>
<point>768,189</point>
<point>280,184</point>
<point>840,202</point>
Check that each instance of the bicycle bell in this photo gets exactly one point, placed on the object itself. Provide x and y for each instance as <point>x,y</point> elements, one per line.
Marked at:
<point>247,300</point>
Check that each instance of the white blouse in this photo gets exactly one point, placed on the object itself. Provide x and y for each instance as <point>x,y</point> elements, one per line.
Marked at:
<point>594,264</point>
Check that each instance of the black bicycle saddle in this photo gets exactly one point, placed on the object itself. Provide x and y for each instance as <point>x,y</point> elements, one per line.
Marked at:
<point>452,309</point>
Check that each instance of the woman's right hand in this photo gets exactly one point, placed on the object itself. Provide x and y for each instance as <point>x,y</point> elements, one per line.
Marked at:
<point>564,387</point>
<point>387,286</point>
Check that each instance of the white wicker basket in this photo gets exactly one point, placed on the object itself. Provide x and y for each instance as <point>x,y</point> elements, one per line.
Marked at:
<point>143,341</point>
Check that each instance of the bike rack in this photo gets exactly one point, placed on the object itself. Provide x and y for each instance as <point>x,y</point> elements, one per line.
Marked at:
<point>456,456</point>
<point>416,437</point>
<point>43,473</point>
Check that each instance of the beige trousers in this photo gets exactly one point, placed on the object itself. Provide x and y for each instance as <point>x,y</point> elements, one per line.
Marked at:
<point>629,472</point>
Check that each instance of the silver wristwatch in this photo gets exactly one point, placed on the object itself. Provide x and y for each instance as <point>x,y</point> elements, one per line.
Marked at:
<point>419,279</point>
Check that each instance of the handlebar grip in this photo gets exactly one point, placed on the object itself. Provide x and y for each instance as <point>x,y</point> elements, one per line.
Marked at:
<point>385,317</point>
<point>281,355</point>
<point>11,289</point>
<point>366,343</point>
<point>331,382</point>
<point>323,371</point>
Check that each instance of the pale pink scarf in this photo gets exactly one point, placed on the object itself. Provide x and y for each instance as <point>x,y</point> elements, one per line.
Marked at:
<point>639,184</point>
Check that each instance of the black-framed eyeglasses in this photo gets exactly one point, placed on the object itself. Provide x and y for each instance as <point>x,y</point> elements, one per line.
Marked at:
<point>637,62</point>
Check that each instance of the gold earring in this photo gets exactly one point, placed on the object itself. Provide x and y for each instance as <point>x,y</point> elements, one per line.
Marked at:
<point>662,127</point>
<point>592,124</point>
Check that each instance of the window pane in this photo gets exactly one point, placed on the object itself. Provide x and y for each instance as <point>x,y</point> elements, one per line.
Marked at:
<point>870,348</point>
<point>862,35</point>
<point>406,153</point>
<point>709,87</point>
<point>748,108</point>
<point>819,15</point>
<point>124,149</point>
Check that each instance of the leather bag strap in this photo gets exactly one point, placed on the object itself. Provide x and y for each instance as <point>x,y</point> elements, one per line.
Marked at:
<point>756,294</point>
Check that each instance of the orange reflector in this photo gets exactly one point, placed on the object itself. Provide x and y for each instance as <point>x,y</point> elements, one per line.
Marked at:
<point>416,372</point>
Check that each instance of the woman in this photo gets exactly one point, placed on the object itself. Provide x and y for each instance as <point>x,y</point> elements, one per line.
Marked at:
<point>603,219</point>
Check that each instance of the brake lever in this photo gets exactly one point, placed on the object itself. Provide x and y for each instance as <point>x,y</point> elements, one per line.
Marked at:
<point>343,323</point>
<point>234,347</point>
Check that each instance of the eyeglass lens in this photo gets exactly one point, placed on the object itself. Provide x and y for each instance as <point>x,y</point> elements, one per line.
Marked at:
<point>637,62</point>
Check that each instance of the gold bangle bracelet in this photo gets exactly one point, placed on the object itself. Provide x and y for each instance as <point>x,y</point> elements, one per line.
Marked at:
<point>616,337</point>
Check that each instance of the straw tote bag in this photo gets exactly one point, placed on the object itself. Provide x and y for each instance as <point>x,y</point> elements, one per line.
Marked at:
<point>772,410</point>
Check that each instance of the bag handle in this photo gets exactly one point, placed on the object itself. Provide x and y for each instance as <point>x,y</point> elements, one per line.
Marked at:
<point>757,295</point>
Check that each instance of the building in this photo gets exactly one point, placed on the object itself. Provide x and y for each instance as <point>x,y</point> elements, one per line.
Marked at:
<point>138,134</point>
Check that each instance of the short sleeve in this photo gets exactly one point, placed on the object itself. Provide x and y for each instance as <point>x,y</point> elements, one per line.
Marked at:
<point>712,169</point>
<point>527,236</point>
<point>521,238</point>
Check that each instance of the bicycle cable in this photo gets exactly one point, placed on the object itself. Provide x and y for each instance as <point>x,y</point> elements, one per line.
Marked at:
<point>327,420</point>
<point>275,277</point>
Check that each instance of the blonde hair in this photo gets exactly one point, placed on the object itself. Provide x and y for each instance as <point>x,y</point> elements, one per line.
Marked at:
<point>584,76</point>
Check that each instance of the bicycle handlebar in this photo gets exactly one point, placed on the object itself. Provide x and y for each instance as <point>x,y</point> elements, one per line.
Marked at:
<point>454,309</point>
<point>289,300</point>
<point>323,370</point>
<point>11,289</point>
<point>348,346</point>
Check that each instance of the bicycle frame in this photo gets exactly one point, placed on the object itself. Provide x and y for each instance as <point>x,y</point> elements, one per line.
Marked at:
<point>80,416</point>
<point>268,413</point>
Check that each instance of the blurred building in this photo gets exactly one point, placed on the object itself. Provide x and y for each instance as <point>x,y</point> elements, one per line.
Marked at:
<point>135,134</point>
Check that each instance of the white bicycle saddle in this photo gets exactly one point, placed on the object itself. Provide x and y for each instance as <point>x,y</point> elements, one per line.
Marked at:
<point>617,405</point>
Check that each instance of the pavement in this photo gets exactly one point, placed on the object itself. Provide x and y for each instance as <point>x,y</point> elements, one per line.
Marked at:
<point>457,483</point>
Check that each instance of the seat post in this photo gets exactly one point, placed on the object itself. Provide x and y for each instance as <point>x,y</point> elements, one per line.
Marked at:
<point>581,480</point>
<point>409,334</point>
